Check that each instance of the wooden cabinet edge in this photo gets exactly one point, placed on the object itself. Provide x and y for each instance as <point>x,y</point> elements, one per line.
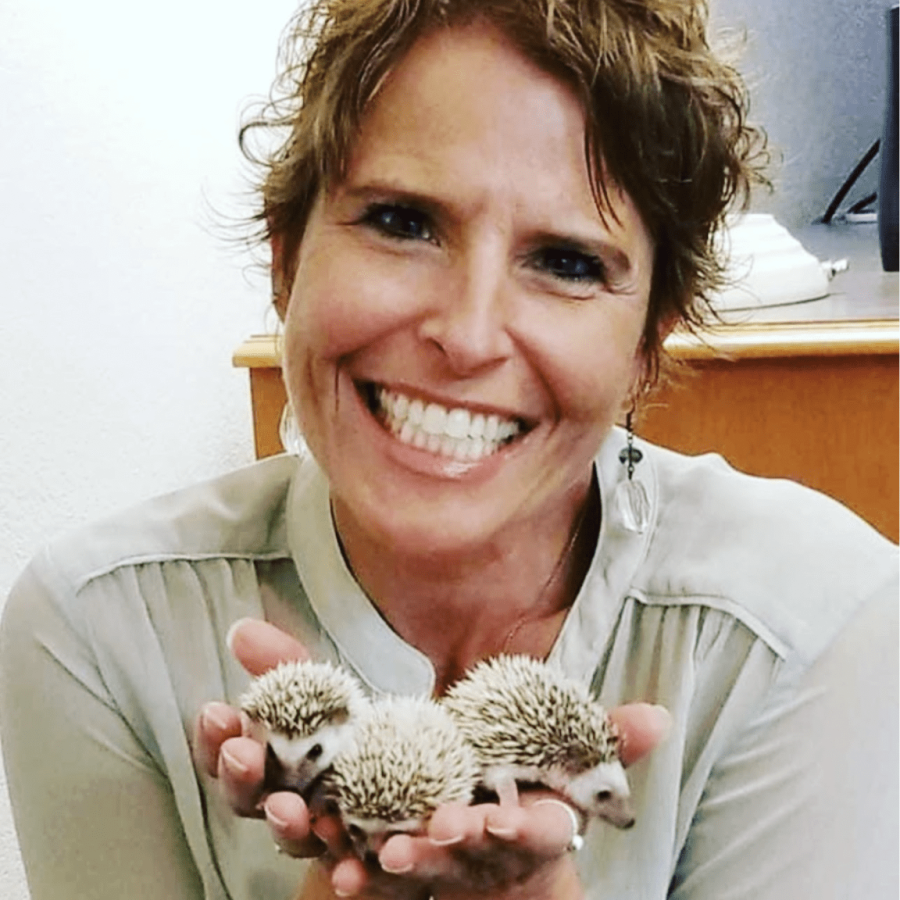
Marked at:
<point>875,337</point>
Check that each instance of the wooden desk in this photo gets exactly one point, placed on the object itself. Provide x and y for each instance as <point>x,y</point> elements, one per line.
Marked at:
<point>808,392</point>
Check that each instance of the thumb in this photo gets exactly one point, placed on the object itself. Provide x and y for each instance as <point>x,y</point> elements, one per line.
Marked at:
<point>641,726</point>
<point>259,646</point>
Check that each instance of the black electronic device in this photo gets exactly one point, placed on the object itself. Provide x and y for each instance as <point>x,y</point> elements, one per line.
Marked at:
<point>888,189</point>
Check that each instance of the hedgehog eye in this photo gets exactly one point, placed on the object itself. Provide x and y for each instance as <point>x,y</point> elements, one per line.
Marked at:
<point>356,833</point>
<point>603,796</point>
<point>315,751</point>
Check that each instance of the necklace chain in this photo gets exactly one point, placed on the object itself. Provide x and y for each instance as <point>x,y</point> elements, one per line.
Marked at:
<point>558,566</point>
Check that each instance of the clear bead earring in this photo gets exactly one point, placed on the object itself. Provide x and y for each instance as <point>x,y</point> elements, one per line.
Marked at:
<point>290,435</point>
<point>632,508</point>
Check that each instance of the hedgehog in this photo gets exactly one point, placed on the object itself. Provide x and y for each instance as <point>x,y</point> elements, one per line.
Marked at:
<point>530,724</point>
<point>407,758</point>
<point>306,713</point>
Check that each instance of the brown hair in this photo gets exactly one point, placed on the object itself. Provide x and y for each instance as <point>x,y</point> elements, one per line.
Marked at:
<point>666,119</point>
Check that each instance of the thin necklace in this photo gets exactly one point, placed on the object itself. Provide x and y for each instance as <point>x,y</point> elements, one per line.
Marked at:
<point>558,566</point>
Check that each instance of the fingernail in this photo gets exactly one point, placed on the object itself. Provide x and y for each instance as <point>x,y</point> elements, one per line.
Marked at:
<point>505,834</point>
<point>229,638</point>
<point>272,819</point>
<point>233,764</point>
<point>401,870</point>
<point>668,720</point>
<point>447,842</point>
<point>211,718</point>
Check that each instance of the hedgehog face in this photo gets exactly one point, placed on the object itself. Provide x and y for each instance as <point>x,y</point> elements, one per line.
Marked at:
<point>602,792</point>
<point>368,835</point>
<point>294,762</point>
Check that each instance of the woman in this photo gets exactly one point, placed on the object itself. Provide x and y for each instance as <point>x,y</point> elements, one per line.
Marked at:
<point>484,219</point>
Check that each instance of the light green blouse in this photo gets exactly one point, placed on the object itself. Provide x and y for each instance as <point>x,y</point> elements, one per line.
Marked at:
<point>761,614</point>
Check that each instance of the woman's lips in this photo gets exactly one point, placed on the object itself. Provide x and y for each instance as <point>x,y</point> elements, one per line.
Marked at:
<point>455,432</point>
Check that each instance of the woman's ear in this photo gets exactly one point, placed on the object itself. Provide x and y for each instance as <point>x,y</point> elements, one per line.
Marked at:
<point>281,282</point>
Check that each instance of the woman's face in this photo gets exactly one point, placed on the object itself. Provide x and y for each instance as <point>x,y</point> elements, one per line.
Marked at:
<point>463,326</point>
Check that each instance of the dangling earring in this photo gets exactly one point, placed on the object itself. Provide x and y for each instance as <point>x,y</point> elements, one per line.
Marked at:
<point>630,501</point>
<point>289,432</point>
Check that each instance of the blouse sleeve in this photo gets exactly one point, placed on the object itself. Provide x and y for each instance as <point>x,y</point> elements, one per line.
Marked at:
<point>804,803</point>
<point>94,814</point>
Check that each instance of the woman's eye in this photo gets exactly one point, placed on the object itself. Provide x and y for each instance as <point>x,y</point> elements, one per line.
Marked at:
<point>569,265</point>
<point>399,222</point>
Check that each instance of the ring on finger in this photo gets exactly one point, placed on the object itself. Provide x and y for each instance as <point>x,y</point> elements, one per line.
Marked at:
<point>576,842</point>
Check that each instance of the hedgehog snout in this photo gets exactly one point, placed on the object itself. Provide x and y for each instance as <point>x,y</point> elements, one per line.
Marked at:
<point>363,843</point>
<point>368,841</point>
<point>615,810</point>
<point>603,792</point>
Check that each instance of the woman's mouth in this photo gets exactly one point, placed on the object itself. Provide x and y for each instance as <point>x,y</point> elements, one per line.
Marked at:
<point>455,432</point>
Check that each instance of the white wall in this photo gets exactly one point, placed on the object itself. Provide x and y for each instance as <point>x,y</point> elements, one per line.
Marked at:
<point>120,301</point>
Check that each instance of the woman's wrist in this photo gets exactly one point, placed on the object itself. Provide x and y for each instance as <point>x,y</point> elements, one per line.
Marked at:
<point>558,880</point>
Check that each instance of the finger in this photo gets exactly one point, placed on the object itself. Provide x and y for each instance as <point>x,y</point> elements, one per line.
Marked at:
<point>259,646</point>
<point>289,822</point>
<point>453,824</point>
<point>486,849</point>
<point>241,770</point>
<point>641,726</point>
<point>330,830</point>
<point>551,826</point>
<point>349,877</point>
<point>451,827</point>
<point>216,723</point>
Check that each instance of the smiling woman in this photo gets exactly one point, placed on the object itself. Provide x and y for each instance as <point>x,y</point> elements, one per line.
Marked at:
<point>484,219</point>
<point>442,269</point>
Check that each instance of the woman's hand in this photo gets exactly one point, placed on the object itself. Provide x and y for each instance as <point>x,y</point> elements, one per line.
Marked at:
<point>504,851</point>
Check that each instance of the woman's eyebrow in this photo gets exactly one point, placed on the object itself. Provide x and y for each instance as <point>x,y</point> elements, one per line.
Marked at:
<point>372,189</point>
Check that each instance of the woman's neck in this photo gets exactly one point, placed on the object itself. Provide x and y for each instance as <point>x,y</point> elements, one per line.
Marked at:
<point>512,596</point>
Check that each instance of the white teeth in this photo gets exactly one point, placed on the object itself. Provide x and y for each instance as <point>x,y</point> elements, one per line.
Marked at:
<point>416,412</point>
<point>458,423</point>
<point>400,406</point>
<point>435,419</point>
<point>455,433</point>
<point>507,430</point>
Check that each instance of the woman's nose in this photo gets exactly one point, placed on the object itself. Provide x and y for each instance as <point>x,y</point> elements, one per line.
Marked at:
<point>468,318</point>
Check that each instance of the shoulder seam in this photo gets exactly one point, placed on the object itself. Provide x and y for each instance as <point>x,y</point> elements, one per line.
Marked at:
<point>723,604</point>
<point>161,558</point>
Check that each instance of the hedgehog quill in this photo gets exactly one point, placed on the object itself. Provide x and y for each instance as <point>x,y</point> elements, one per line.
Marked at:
<point>407,758</point>
<point>528,723</point>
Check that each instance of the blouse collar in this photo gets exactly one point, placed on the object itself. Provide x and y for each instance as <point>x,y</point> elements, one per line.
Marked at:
<point>388,664</point>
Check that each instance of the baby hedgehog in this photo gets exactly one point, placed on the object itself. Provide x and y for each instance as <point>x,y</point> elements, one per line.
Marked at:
<point>531,724</point>
<point>306,713</point>
<point>407,758</point>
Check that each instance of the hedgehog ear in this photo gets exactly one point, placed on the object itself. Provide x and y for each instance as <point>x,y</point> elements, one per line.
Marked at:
<point>340,717</point>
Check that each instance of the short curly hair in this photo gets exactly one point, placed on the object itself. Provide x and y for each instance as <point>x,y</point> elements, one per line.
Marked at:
<point>666,119</point>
